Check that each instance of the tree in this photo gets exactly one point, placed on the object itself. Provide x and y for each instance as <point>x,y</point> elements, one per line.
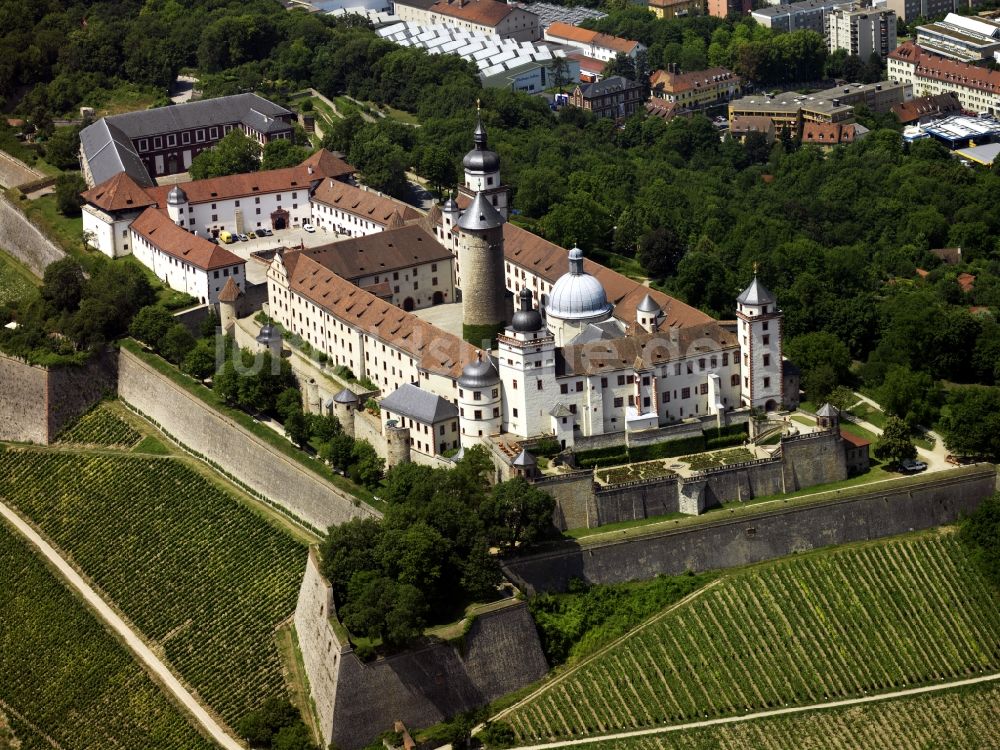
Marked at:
<point>62,150</point>
<point>382,162</point>
<point>367,466</point>
<point>823,359</point>
<point>200,361</point>
<point>62,284</point>
<point>660,252</point>
<point>894,444</point>
<point>297,428</point>
<point>177,342</point>
<point>69,185</point>
<point>234,154</point>
<point>560,72</point>
<point>348,549</point>
<point>324,427</point>
<point>437,166</point>
<point>981,534</point>
<point>516,514</point>
<point>288,402</point>
<point>338,451</point>
<point>970,422</point>
<point>282,153</point>
<point>227,382</point>
<point>911,395</point>
<point>379,607</point>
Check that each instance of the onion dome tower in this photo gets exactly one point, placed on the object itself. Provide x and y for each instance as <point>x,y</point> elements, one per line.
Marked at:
<point>482,171</point>
<point>177,203</point>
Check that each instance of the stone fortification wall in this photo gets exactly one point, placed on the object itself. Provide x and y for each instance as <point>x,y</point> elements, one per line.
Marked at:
<point>575,506</point>
<point>23,240</point>
<point>813,458</point>
<point>638,500</point>
<point>38,402</point>
<point>260,467</point>
<point>763,536</point>
<point>357,701</point>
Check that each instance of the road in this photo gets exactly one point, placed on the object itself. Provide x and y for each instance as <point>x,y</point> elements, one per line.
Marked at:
<point>934,458</point>
<point>134,643</point>
<point>765,714</point>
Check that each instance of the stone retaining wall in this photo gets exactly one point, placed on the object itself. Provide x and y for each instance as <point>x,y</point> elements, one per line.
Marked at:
<point>24,240</point>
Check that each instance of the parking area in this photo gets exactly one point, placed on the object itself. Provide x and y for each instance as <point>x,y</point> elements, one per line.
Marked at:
<point>290,238</point>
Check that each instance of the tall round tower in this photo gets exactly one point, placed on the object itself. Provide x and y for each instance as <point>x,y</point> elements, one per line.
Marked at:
<point>479,401</point>
<point>345,404</point>
<point>480,261</point>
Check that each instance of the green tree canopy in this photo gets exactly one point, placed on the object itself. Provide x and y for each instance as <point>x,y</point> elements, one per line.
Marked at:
<point>234,154</point>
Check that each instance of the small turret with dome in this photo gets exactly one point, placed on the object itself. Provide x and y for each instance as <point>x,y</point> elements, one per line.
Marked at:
<point>576,299</point>
<point>648,314</point>
<point>527,319</point>
<point>482,170</point>
<point>479,400</point>
<point>177,201</point>
<point>527,361</point>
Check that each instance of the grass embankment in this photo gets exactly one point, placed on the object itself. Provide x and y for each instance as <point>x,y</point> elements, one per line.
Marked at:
<point>70,682</point>
<point>202,576</point>
<point>208,396</point>
<point>16,280</point>
<point>833,624</point>
<point>65,232</point>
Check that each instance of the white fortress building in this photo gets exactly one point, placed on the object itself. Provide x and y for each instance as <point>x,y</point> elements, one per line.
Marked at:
<point>587,352</point>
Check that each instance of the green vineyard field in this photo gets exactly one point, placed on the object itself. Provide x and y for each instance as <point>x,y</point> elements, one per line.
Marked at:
<point>802,630</point>
<point>101,426</point>
<point>967,718</point>
<point>63,677</point>
<point>194,570</point>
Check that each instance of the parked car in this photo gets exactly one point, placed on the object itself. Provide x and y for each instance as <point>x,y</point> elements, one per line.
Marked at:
<point>252,235</point>
<point>264,232</point>
<point>242,238</point>
<point>308,227</point>
<point>911,466</point>
<point>226,237</point>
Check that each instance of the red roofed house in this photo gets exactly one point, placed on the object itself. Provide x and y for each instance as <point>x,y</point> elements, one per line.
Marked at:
<point>592,43</point>
<point>697,88</point>
<point>491,17</point>
<point>977,89</point>
<point>967,282</point>
<point>926,108</point>
<point>832,133</point>
<point>184,261</point>
<point>855,453</point>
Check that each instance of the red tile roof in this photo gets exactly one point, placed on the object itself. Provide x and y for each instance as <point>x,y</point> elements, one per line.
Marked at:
<point>857,442</point>
<point>156,227</point>
<point>661,108</point>
<point>434,350</point>
<point>586,36</point>
<point>365,203</point>
<point>924,106</point>
<point>967,281</point>
<point>120,193</point>
<point>946,70</point>
<point>828,132</point>
<point>230,292</point>
<point>676,83</point>
<point>587,64</point>
<point>482,12</point>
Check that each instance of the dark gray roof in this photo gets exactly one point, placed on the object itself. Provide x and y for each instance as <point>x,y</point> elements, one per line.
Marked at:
<point>756,294</point>
<point>109,151</point>
<point>828,410</point>
<point>268,334</point>
<point>176,196</point>
<point>524,459</point>
<point>480,216</point>
<point>345,397</point>
<point>479,374</point>
<point>422,406</point>
<point>527,319</point>
<point>608,86</point>
<point>560,410</point>
<point>449,205</point>
<point>603,331</point>
<point>648,304</point>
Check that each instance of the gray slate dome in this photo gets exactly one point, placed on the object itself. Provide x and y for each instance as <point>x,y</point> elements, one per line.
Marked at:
<point>345,397</point>
<point>648,305</point>
<point>480,374</point>
<point>756,294</point>
<point>176,196</point>
<point>577,295</point>
<point>449,206</point>
<point>481,159</point>
<point>480,216</point>
<point>527,319</point>
<point>268,334</point>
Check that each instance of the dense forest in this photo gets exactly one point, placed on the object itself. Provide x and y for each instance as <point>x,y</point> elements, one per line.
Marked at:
<point>838,236</point>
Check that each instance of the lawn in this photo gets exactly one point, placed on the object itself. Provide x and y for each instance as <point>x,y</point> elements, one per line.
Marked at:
<point>67,678</point>
<point>15,280</point>
<point>67,233</point>
<point>807,629</point>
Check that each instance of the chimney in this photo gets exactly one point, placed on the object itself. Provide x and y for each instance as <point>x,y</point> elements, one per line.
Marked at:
<point>310,169</point>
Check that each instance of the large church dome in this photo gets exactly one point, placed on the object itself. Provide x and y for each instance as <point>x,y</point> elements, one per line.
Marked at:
<point>577,295</point>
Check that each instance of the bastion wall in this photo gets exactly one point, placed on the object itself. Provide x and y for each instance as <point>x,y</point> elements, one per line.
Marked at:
<point>356,701</point>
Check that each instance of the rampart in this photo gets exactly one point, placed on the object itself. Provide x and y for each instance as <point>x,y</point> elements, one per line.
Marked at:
<point>257,465</point>
<point>24,240</point>
<point>750,538</point>
<point>356,701</point>
<point>38,401</point>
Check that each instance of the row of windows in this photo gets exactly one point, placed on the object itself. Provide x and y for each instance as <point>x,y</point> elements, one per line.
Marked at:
<point>185,138</point>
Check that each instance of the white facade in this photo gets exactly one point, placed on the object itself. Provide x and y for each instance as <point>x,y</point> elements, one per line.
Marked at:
<point>759,329</point>
<point>243,214</point>
<point>334,219</point>
<point>977,89</point>
<point>862,32</point>
<point>203,285</point>
<point>108,233</point>
<point>528,374</point>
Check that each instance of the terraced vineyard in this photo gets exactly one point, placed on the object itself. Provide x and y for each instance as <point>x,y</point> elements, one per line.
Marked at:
<point>101,426</point>
<point>968,718</point>
<point>64,678</point>
<point>798,631</point>
<point>194,569</point>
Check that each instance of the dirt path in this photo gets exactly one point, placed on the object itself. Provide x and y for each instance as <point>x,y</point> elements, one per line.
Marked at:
<point>132,641</point>
<point>765,714</point>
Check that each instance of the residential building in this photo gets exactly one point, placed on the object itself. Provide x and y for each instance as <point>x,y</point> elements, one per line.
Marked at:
<point>676,8</point>
<point>593,43</point>
<point>431,420</point>
<point>614,97</point>
<point>740,126</point>
<point>356,211</point>
<point>699,88</point>
<point>861,31</point>
<point>480,16</point>
<point>662,109</point>
<point>806,15</point>
<point>591,69</point>
<point>908,10</point>
<point>963,38</point>
<point>832,134</point>
<point>923,109</point>
<point>182,260</point>
<point>163,141</point>
<point>978,89</point>
<point>724,8</point>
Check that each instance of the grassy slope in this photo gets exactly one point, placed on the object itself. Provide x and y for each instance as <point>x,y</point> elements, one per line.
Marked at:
<point>805,629</point>
<point>68,678</point>
<point>15,279</point>
<point>196,571</point>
